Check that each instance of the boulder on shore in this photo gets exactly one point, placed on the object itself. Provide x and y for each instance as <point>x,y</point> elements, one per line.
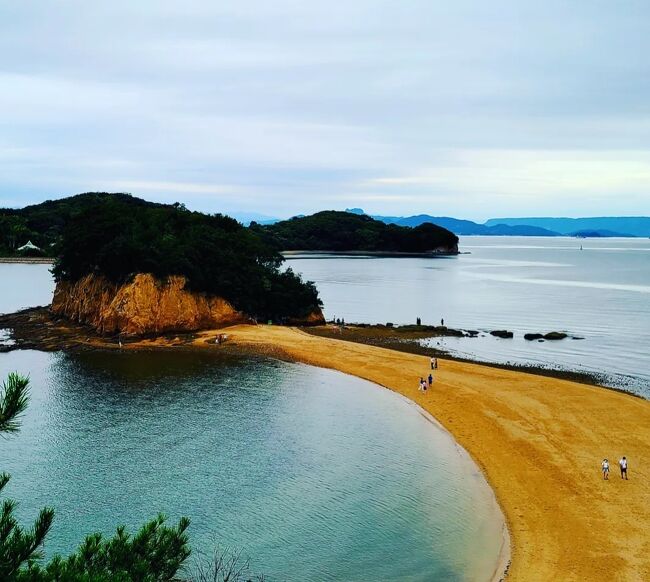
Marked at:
<point>552,335</point>
<point>502,333</point>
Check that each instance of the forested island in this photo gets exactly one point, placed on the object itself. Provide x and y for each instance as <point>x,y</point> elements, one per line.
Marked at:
<point>131,267</point>
<point>126,264</point>
<point>344,231</point>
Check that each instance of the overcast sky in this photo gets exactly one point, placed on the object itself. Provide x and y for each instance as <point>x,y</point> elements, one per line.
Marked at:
<point>471,109</point>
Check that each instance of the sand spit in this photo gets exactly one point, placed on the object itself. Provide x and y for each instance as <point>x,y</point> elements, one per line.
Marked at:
<point>539,441</point>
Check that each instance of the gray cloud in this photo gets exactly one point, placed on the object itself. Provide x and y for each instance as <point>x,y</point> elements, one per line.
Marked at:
<point>466,108</point>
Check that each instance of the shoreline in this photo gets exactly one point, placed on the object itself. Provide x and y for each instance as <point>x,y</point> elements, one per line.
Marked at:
<point>359,334</point>
<point>503,558</point>
<point>538,440</point>
<point>27,260</point>
<point>297,254</point>
<point>37,328</point>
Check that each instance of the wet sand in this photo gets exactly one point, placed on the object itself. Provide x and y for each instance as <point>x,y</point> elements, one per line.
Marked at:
<point>539,441</point>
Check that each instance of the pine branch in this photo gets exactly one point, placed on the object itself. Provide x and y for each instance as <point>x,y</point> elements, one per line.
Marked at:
<point>14,397</point>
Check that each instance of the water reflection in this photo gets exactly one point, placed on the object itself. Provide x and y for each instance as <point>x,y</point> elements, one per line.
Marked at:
<point>315,474</point>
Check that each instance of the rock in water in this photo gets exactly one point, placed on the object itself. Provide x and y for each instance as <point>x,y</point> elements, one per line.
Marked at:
<point>555,335</point>
<point>502,333</point>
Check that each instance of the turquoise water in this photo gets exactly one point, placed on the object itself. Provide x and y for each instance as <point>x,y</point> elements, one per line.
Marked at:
<point>313,474</point>
<point>524,284</point>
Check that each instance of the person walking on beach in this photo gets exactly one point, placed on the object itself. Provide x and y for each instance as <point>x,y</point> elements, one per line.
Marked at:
<point>623,465</point>
<point>434,363</point>
<point>605,466</point>
<point>431,382</point>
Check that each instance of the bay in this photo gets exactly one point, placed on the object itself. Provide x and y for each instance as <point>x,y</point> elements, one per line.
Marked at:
<point>313,474</point>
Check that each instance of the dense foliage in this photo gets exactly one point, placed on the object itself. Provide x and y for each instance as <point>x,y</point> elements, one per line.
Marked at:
<point>43,223</point>
<point>118,237</point>
<point>345,231</point>
<point>155,554</point>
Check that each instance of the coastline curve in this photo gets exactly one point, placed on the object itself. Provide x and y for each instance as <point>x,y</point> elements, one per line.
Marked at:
<point>502,560</point>
<point>538,441</point>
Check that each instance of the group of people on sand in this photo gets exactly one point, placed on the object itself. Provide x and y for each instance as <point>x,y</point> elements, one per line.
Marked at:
<point>622,465</point>
<point>425,384</point>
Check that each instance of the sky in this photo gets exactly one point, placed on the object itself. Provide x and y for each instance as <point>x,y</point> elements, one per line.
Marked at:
<point>471,109</point>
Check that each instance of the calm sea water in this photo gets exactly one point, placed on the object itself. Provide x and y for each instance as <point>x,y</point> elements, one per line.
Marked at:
<point>313,474</point>
<point>524,284</point>
<point>601,293</point>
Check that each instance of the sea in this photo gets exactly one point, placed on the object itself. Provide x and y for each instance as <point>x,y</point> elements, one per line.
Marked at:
<point>597,291</point>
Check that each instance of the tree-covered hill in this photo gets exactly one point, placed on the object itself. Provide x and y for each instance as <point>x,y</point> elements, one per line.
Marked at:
<point>43,223</point>
<point>118,236</point>
<point>344,231</point>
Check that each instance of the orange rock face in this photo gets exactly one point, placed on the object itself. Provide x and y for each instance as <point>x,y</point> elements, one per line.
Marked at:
<point>144,306</point>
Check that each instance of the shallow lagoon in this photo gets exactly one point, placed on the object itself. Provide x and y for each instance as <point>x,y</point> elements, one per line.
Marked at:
<point>313,474</point>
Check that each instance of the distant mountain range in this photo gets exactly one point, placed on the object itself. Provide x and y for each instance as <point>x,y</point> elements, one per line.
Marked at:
<point>595,227</point>
<point>604,225</point>
<point>623,226</point>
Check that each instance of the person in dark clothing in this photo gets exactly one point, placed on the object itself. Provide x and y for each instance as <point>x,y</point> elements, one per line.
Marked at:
<point>623,465</point>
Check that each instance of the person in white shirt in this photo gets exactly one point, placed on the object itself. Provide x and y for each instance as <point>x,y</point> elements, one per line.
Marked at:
<point>623,465</point>
<point>605,466</point>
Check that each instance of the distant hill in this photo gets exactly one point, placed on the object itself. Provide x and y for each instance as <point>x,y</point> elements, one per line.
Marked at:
<point>629,226</point>
<point>600,233</point>
<point>465,227</point>
<point>348,231</point>
<point>519,230</point>
<point>616,225</point>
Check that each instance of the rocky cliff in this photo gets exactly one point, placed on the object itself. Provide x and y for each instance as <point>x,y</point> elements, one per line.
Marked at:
<point>143,306</point>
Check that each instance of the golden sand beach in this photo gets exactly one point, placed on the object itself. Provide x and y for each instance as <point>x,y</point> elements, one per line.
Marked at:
<point>539,441</point>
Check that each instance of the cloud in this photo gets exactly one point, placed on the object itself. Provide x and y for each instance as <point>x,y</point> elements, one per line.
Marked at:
<point>289,107</point>
<point>533,173</point>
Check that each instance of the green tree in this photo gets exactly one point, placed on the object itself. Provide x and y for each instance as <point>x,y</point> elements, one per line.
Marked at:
<point>118,237</point>
<point>17,545</point>
<point>13,232</point>
<point>154,554</point>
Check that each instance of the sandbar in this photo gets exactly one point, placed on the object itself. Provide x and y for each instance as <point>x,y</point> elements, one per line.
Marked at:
<point>538,440</point>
